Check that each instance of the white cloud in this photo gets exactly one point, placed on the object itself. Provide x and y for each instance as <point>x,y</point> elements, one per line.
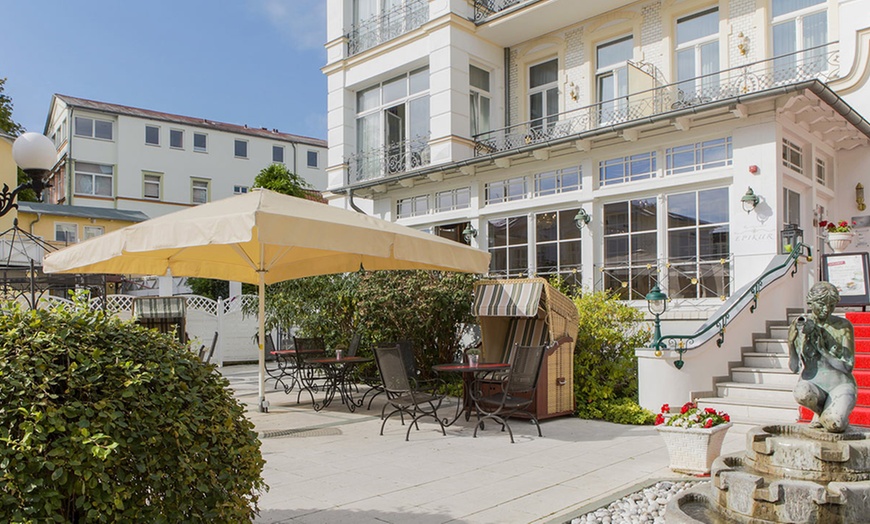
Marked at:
<point>303,22</point>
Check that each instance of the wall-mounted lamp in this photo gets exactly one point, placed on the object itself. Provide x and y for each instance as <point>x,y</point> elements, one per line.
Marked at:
<point>742,43</point>
<point>573,91</point>
<point>582,218</point>
<point>469,233</point>
<point>749,200</point>
<point>859,197</point>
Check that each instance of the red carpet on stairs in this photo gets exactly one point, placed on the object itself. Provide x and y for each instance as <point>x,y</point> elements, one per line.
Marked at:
<point>861,414</point>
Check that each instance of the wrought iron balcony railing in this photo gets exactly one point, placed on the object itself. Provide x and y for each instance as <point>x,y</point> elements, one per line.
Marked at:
<point>387,25</point>
<point>820,63</point>
<point>483,9</point>
<point>391,159</point>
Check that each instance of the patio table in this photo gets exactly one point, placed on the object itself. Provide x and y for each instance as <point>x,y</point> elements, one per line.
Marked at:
<point>470,374</point>
<point>337,371</point>
<point>291,366</point>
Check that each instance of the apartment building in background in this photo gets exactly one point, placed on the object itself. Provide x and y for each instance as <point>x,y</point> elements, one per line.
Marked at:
<point>131,159</point>
<point>620,144</point>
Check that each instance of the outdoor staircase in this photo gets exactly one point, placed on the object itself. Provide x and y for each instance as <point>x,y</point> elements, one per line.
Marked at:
<point>759,390</point>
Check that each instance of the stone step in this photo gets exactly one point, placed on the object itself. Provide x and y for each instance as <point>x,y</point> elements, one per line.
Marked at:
<point>772,345</point>
<point>754,392</point>
<point>779,332</point>
<point>782,377</point>
<point>765,360</point>
<point>771,412</point>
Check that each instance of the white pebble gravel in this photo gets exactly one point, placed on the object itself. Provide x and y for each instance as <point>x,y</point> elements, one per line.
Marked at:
<point>642,507</point>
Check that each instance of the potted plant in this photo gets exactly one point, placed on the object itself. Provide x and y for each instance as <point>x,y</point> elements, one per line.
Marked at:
<point>473,355</point>
<point>839,234</point>
<point>693,436</point>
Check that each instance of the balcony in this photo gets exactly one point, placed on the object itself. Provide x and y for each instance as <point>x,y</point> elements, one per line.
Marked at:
<point>387,26</point>
<point>392,159</point>
<point>484,9</point>
<point>821,63</point>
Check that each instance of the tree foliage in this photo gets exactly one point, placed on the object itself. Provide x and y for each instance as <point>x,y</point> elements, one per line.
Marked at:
<point>278,178</point>
<point>7,124</point>
<point>103,420</point>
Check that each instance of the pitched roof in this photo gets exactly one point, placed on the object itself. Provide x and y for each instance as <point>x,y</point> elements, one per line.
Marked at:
<point>82,211</point>
<point>105,107</point>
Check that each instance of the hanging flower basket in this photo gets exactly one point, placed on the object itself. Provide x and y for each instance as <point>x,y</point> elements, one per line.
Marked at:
<point>694,437</point>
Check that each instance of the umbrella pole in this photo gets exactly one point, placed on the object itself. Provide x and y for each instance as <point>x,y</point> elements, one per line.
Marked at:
<point>261,317</point>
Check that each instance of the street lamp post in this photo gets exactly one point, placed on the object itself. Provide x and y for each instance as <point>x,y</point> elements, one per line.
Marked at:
<point>35,155</point>
<point>657,303</point>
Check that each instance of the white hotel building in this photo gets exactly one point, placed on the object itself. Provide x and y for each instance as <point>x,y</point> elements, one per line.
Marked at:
<point>127,158</point>
<point>653,117</point>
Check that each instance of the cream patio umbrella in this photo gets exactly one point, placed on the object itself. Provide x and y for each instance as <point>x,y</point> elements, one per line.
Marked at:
<point>261,238</point>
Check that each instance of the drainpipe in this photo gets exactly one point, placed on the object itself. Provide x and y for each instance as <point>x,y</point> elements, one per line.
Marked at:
<point>352,205</point>
<point>295,158</point>
<point>38,218</point>
<point>507,86</point>
<point>67,175</point>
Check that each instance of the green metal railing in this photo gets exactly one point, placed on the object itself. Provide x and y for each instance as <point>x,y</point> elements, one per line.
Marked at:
<point>717,323</point>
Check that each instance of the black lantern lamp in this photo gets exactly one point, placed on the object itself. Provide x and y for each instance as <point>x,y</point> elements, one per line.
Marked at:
<point>791,236</point>
<point>657,303</point>
<point>469,233</point>
<point>35,155</point>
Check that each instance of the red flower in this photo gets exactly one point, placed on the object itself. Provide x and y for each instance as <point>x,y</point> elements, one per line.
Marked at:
<point>726,417</point>
<point>666,408</point>
<point>710,411</point>
<point>660,419</point>
<point>843,223</point>
<point>708,423</point>
<point>686,407</point>
<point>823,223</point>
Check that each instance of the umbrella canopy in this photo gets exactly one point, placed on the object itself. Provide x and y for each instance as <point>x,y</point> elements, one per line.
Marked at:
<point>261,238</point>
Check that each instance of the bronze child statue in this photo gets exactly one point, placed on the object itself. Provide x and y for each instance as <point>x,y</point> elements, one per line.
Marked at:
<point>822,349</point>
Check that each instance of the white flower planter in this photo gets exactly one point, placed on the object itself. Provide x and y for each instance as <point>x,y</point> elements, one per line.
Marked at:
<point>839,242</point>
<point>693,450</point>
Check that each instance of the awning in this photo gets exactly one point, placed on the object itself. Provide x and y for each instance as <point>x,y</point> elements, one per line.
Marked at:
<point>508,299</point>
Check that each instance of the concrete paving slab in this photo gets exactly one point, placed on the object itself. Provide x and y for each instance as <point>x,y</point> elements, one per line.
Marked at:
<point>333,466</point>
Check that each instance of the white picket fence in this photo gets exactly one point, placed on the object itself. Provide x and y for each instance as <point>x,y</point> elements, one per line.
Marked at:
<point>236,331</point>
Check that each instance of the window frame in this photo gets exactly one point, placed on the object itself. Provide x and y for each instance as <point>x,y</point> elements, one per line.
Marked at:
<point>453,196</point>
<point>316,164</point>
<point>241,190</point>
<point>698,150</point>
<point>519,247</point>
<point>236,143</point>
<point>476,109</point>
<point>636,269</point>
<point>75,232</point>
<point>508,195</point>
<point>414,206</point>
<point>627,163</point>
<point>176,133</point>
<point>550,89</point>
<point>86,236</point>
<point>615,72</point>
<point>276,148</point>
<point>558,175</point>
<point>158,183</point>
<point>197,149</point>
<point>155,129</point>
<point>93,128</point>
<point>570,272</point>
<point>698,85</point>
<point>194,181</point>
<point>791,150</point>
<point>77,170</point>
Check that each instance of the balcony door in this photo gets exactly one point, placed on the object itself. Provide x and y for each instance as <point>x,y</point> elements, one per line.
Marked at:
<point>543,95</point>
<point>697,57</point>
<point>611,78</point>
<point>395,138</point>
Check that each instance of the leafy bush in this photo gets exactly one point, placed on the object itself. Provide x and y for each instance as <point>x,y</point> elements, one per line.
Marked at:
<point>105,421</point>
<point>605,368</point>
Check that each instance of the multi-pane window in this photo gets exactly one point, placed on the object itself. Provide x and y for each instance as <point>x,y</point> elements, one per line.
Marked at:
<point>393,125</point>
<point>313,159</point>
<point>509,245</point>
<point>627,169</point>
<point>200,142</point>
<point>506,190</point>
<point>558,181</point>
<point>544,94</point>
<point>93,232</point>
<point>821,171</point>
<point>792,156</point>
<point>412,207</point>
<point>152,135</point>
<point>199,190</point>
<point>453,199</point>
<point>66,233</point>
<point>278,154</point>
<point>699,156</point>
<point>176,138</point>
<point>93,128</point>
<point>240,148</point>
<point>240,190</point>
<point>478,80</point>
<point>151,186</point>
<point>799,26</point>
<point>697,55</point>
<point>93,179</point>
<point>557,245</point>
<point>611,77</point>
<point>699,244</point>
<point>630,247</point>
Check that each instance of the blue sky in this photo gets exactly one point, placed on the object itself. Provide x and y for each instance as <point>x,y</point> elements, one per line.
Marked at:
<point>254,62</point>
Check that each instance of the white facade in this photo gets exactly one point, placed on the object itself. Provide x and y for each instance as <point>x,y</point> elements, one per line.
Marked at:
<point>134,159</point>
<point>654,117</point>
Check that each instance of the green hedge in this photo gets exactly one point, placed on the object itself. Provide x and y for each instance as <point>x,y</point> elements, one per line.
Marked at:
<point>105,421</point>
